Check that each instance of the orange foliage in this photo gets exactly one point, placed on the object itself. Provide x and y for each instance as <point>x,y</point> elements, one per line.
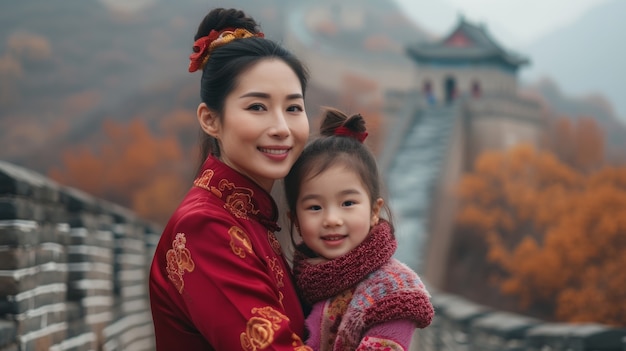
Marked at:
<point>557,235</point>
<point>183,124</point>
<point>133,168</point>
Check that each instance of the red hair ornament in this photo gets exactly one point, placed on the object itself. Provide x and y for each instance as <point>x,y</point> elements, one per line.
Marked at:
<point>203,47</point>
<point>343,131</point>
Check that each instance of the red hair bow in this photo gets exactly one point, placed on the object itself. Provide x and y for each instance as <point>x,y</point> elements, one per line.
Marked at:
<point>343,131</point>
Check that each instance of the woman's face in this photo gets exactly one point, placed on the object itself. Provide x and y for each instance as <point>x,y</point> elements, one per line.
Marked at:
<point>264,127</point>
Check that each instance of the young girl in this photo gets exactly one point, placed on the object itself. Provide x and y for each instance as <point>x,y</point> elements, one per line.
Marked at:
<point>218,279</point>
<point>363,299</point>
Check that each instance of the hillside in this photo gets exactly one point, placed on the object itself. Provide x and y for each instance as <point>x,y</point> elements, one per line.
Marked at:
<point>66,66</point>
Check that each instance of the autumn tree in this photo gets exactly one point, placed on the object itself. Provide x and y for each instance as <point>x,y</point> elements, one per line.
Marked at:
<point>556,235</point>
<point>132,167</point>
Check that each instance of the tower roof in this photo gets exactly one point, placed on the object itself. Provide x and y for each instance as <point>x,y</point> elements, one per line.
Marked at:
<point>467,42</point>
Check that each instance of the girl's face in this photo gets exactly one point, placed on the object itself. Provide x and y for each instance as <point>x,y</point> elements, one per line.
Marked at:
<point>265,126</point>
<point>334,213</point>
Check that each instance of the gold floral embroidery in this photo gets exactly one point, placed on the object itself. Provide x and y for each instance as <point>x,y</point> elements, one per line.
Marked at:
<point>269,312</point>
<point>298,345</point>
<point>239,241</point>
<point>277,269</point>
<point>259,334</point>
<point>178,260</point>
<point>204,180</point>
<point>225,184</point>
<point>274,243</point>
<point>281,297</point>
<point>239,202</point>
<point>260,329</point>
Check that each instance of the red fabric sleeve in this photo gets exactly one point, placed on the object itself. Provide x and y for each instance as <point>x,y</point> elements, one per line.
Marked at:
<point>229,295</point>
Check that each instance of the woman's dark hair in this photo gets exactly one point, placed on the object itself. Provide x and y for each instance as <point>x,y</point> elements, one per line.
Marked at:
<point>331,149</point>
<point>226,63</point>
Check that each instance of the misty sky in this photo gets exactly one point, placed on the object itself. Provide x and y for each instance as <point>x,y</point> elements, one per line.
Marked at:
<point>518,21</point>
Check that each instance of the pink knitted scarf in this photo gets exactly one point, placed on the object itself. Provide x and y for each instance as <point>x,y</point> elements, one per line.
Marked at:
<point>384,289</point>
<point>321,281</point>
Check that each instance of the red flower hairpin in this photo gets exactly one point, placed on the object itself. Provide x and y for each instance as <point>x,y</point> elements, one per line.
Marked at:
<point>203,47</point>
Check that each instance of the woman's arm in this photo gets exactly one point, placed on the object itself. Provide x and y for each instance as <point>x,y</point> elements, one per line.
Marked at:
<point>229,294</point>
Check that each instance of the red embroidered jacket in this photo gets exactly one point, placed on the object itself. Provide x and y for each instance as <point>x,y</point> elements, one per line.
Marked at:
<point>218,279</point>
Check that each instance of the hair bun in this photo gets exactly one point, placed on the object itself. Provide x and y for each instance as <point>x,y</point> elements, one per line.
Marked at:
<point>337,123</point>
<point>221,18</point>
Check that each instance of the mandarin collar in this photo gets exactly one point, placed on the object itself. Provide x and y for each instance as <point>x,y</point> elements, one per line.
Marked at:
<point>241,196</point>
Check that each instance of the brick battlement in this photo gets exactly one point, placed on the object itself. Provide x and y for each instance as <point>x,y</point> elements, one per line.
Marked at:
<point>73,269</point>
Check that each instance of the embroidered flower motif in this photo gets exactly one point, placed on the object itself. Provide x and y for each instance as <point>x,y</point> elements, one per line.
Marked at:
<point>298,345</point>
<point>239,241</point>
<point>240,204</point>
<point>278,271</point>
<point>259,332</point>
<point>204,180</point>
<point>178,260</point>
<point>270,313</point>
<point>274,243</point>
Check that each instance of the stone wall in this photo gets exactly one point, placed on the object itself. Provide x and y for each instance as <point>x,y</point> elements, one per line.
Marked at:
<point>73,269</point>
<point>461,325</point>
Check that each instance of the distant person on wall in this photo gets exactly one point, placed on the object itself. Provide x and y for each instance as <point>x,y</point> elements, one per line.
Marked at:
<point>363,299</point>
<point>428,93</point>
<point>218,279</point>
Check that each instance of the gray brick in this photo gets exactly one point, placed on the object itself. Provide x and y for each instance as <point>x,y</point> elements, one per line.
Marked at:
<point>17,258</point>
<point>14,232</point>
<point>21,208</point>
<point>8,333</point>
<point>14,282</point>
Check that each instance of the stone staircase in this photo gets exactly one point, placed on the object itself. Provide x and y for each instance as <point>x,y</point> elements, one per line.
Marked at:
<point>412,176</point>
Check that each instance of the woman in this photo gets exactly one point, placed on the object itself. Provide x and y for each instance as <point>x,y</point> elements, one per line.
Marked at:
<point>218,279</point>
